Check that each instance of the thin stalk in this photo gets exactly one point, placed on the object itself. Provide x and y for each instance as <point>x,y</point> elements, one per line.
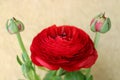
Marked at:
<point>26,59</point>
<point>21,42</point>
<point>96,40</point>
<point>22,46</point>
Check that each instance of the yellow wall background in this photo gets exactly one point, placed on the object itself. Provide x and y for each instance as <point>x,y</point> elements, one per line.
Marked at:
<point>38,14</point>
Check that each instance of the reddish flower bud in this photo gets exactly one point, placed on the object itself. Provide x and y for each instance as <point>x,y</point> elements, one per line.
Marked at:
<point>14,26</point>
<point>100,23</point>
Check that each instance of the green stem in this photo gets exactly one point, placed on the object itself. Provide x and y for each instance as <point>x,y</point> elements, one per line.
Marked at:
<point>26,59</point>
<point>22,46</point>
<point>96,40</point>
<point>21,42</point>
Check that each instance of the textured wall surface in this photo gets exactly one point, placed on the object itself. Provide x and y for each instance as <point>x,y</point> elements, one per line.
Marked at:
<point>38,14</point>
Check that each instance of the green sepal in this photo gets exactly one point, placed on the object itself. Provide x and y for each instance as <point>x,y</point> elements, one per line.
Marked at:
<point>18,60</point>
<point>99,15</point>
<point>77,75</point>
<point>106,26</point>
<point>14,26</point>
<point>93,26</point>
<point>51,75</point>
<point>20,24</point>
<point>11,26</point>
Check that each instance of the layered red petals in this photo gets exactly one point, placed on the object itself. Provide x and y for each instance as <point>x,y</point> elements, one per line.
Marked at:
<point>64,47</point>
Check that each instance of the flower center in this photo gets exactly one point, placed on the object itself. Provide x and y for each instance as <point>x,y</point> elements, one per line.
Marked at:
<point>63,35</point>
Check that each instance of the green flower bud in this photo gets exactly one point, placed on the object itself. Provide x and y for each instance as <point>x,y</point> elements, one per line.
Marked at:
<point>100,24</point>
<point>14,26</point>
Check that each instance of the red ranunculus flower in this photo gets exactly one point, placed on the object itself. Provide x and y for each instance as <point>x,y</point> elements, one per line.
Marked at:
<point>64,47</point>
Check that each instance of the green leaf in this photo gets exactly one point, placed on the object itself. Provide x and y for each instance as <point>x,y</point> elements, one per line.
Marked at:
<point>56,78</point>
<point>60,72</point>
<point>77,75</point>
<point>32,75</point>
<point>86,71</point>
<point>90,78</point>
<point>29,72</point>
<point>51,75</point>
<point>24,70</point>
<point>42,68</point>
<point>25,57</point>
<point>87,74</point>
<point>18,60</point>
